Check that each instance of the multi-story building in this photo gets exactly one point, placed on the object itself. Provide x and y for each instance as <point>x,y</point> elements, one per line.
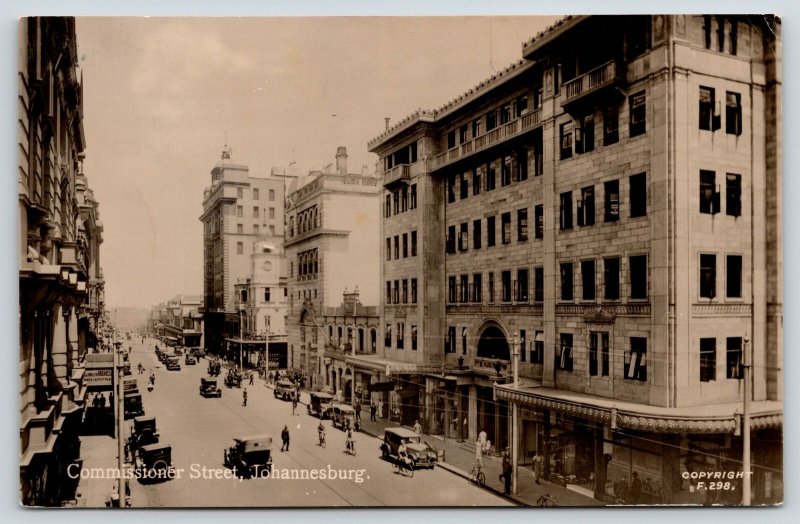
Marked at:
<point>610,205</point>
<point>240,214</point>
<point>60,281</point>
<point>330,247</point>
<point>180,321</point>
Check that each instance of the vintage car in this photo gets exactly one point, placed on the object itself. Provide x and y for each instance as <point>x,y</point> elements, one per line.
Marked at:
<point>251,456</point>
<point>233,379</point>
<point>189,360</point>
<point>421,454</point>
<point>173,363</point>
<point>208,388</point>
<point>133,405</point>
<point>343,416</point>
<point>177,350</point>
<point>214,367</point>
<point>320,404</point>
<point>285,389</point>
<point>143,432</point>
<point>130,386</point>
<point>153,463</point>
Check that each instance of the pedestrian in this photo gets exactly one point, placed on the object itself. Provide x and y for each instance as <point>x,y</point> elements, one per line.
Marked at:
<point>244,397</point>
<point>417,427</point>
<point>294,404</point>
<point>251,378</point>
<point>358,410</point>
<point>482,441</point>
<point>464,426</point>
<point>102,401</point>
<point>380,408</point>
<point>635,492</point>
<point>536,465</point>
<point>505,477</point>
<point>372,410</point>
<point>285,438</point>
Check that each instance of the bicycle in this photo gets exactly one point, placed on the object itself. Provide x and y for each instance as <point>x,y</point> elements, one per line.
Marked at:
<point>404,465</point>
<point>476,473</point>
<point>547,501</point>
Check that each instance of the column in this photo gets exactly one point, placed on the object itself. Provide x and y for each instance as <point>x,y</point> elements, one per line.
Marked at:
<point>472,413</point>
<point>60,347</point>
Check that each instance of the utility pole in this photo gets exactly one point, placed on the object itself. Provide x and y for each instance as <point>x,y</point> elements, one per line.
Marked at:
<point>748,387</point>
<point>241,342</point>
<point>515,417</point>
<point>120,414</point>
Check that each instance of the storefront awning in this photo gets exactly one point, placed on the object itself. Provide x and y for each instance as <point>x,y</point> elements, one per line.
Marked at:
<point>708,419</point>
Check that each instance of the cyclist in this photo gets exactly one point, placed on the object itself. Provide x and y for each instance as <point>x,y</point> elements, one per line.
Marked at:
<point>321,432</point>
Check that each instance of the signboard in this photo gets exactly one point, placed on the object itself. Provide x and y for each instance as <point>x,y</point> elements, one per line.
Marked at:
<point>382,386</point>
<point>98,377</point>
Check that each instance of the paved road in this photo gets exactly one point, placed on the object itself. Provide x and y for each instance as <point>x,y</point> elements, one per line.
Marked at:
<point>199,429</point>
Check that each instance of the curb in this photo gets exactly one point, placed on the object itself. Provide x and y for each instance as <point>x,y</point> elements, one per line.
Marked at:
<point>463,474</point>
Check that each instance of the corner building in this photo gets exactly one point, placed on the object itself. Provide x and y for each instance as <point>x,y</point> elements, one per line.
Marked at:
<point>613,199</point>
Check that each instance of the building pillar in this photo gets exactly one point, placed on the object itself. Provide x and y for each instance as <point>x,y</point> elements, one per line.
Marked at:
<point>60,348</point>
<point>472,413</point>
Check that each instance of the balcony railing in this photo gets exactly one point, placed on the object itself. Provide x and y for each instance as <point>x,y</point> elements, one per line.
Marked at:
<point>587,83</point>
<point>508,130</point>
<point>491,365</point>
<point>398,173</point>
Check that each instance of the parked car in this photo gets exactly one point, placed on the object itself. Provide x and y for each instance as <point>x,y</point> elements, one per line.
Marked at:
<point>420,453</point>
<point>130,386</point>
<point>285,389</point>
<point>154,463</point>
<point>173,363</point>
<point>320,404</point>
<point>133,405</point>
<point>189,360</point>
<point>251,456</point>
<point>143,432</point>
<point>343,416</point>
<point>208,388</point>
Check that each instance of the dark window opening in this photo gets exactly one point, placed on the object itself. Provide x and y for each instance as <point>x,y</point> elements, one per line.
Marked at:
<point>610,125</point>
<point>505,224</point>
<point>588,279</point>
<point>565,144</point>
<point>636,360</point>
<point>733,358</point>
<point>538,212</point>
<point>476,234</point>
<point>707,109</point>
<point>638,114</point>
<point>586,207</point>
<point>708,359</point>
<point>566,211</point>
<point>521,292</point>
<point>563,353</point>
<point>709,195</point>
<point>566,281</point>
<point>733,279</point>
<point>490,231</point>
<point>708,276</point>
<point>505,279</point>
<point>733,113</point>
<point>733,195</point>
<point>611,278</point>
<point>638,272</point>
<point>522,225</point>
<point>638,195</point>
<point>584,135</point>
<point>611,190</point>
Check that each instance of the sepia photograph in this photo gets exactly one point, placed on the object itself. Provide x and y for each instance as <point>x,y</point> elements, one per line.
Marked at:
<point>400,261</point>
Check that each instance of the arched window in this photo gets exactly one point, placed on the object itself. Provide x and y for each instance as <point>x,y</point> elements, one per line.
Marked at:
<point>493,344</point>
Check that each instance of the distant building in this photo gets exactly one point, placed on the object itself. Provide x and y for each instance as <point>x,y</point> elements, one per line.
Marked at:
<point>179,321</point>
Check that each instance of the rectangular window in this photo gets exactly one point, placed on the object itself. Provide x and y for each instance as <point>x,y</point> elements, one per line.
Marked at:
<point>522,286</point>
<point>521,165</point>
<point>638,114</point>
<point>490,231</point>
<point>522,225</point>
<point>451,189</point>
<point>451,139</point>
<point>707,31</point>
<point>388,291</point>
<point>491,287</point>
<point>537,351</point>
<point>610,125</point>
<point>611,278</point>
<point>709,196</point>
<point>405,291</point>
<point>565,221</point>
<point>491,120</point>
<point>387,339</point>
<point>463,237</point>
<point>611,190</point>
<point>451,290</point>
<point>708,276</point>
<point>638,194</point>
<point>584,134</point>
<point>413,337</point>
<point>636,360</point>
<point>239,211</point>
<point>586,207</point>
<point>388,249</point>
<point>463,289</point>
<point>505,171</point>
<point>477,287</point>
<point>707,109</point>
<point>734,35</point>
<point>388,211</point>
<point>523,345</point>
<point>271,195</point>
<point>239,248</point>
<point>588,279</point>
<point>476,234</point>
<point>733,195</point>
<point>638,272</point>
<point>405,245</point>
<point>255,211</point>
<point>476,182</point>
<point>450,246</point>
<point>566,281</point>
<point>239,229</point>
<point>396,247</point>
<point>476,127</point>
<point>733,113</point>
<point>565,144</point>
<point>413,290</point>
<point>267,294</point>
<point>464,186</point>
<point>396,289</point>
<point>721,33</point>
<point>505,224</point>
<point>239,192</point>
<point>733,278</point>
<point>272,212</point>
<point>505,277</point>
<point>490,177</point>
<point>255,229</point>
<point>413,243</point>
<point>538,212</point>
<point>396,201</point>
<point>400,335</point>
<point>598,354</point>
<point>538,284</point>
<point>255,193</point>
<point>404,199</point>
<point>462,133</point>
<point>463,341</point>
<point>563,353</point>
<point>733,358</point>
<point>708,359</point>
<point>413,204</point>
<point>450,345</point>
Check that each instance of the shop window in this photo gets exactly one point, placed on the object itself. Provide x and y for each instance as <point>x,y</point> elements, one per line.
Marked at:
<point>708,359</point>
<point>565,214</point>
<point>638,114</point>
<point>463,237</point>
<point>490,231</point>
<point>586,207</point>
<point>413,290</point>
<point>638,194</point>
<point>476,234</point>
<point>733,358</point>
<point>733,195</point>
<point>522,225</point>
<point>521,291</point>
<point>476,182</point>
<point>611,278</point>
<point>588,279</point>
<point>505,277</point>
<point>505,223</point>
<point>566,140</point>
<point>733,113</point>
<point>638,275</point>
<point>610,125</point>
<point>563,353</point>
<point>709,193</point>
<point>708,276</point>
<point>733,277</point>
<point>538,212</point>
<point>598,354</point>
<point>636,360</point>
<point>413,243</point>
<point>477,286</point>
<point>566,281</point>
<point>463,289</point>
<point>708,120</point>
<point>584,134</point>
<point>538,284</point>
<point>451,289</point>
<point>611,190</point>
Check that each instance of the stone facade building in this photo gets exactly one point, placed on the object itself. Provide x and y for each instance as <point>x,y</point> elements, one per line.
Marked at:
<point>610,205</point>
<point>61,288</point>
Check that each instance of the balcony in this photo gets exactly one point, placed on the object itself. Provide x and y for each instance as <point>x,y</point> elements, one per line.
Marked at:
<point>491,365</point>
<point>399,173</point>
<point>598,79</point>
<point>509,130</point>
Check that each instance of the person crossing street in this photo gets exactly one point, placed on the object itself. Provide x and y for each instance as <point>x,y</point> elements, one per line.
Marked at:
<point>244,397</point>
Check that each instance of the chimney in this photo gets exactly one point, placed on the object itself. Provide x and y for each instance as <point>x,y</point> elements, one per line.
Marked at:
<point>387,119</point>
<point>341,160</point>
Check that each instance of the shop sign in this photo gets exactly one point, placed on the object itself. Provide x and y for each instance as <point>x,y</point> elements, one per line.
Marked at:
<point>98,377</point>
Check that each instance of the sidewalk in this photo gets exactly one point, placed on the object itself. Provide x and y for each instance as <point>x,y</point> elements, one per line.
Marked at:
<point>458,458</point>
<point>97,451</point>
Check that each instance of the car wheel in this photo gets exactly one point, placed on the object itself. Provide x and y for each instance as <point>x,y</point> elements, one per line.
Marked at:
<point>384,453</point>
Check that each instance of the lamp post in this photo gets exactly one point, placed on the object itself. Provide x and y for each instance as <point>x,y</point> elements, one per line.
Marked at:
<point>746,422</point>
<point>515,417</point>
<point>119,419</point>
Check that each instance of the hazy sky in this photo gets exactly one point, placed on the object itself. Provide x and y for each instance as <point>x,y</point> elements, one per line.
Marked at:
<point>162,94</point>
